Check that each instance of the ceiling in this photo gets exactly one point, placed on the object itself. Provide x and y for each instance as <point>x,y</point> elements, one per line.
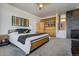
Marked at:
<point>49,10</point>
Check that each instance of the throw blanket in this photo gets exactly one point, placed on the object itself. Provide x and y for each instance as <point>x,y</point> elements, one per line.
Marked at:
<point>22,38</point>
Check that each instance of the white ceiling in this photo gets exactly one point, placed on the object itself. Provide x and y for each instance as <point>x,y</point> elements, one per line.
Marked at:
<point>49,10</point>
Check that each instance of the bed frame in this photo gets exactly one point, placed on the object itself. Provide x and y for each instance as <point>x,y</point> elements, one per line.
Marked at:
<point>39,43</point>
<point>36,44</point>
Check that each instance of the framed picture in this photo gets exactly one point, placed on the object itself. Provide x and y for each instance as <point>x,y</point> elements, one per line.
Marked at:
<point>18,21</point>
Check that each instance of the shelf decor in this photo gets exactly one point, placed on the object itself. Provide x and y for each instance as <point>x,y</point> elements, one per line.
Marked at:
<point>18,21</point>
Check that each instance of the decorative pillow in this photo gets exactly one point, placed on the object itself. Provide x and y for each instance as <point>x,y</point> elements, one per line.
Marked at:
<point>27,31</point>
<point>20,30</point>
<point>23,30</point>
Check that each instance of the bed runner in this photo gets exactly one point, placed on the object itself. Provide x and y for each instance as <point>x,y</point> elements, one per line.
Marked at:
<point>22,38</point>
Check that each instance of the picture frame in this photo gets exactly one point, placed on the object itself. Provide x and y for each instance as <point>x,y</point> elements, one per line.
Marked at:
<point>18,21</point>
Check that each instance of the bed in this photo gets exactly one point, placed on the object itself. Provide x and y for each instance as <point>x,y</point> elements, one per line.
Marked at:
<point>26,41</point>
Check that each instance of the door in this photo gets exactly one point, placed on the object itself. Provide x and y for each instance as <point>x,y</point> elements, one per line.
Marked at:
<point>40,27</point>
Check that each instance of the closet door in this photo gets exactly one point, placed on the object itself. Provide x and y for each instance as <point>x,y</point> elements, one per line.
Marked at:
<point>49,26</point>
<point>40,27</point>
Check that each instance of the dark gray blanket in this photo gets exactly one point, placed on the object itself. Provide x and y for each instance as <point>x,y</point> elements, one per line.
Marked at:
<point>22,38</point>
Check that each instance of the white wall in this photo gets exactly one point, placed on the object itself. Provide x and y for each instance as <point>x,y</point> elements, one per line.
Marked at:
<point>6,13</point>
<point>0,17</point>
<point>57,24</point>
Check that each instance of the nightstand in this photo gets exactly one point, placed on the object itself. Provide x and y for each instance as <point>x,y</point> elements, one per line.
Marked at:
<point>4,40</point>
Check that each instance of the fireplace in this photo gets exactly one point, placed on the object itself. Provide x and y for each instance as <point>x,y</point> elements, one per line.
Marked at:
<point>73,30</point>
<point>75,34</point>
<point>75,43</point>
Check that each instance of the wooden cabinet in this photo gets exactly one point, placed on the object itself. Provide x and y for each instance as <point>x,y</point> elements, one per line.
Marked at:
<point>50,27</point>
<point>40,27</point>
<point>51,31</point>
<point>73,13</point>
<point>47,25</point>
<point>76,12</point>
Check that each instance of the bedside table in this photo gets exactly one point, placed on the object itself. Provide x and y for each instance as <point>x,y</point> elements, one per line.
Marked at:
<point>4,40</point>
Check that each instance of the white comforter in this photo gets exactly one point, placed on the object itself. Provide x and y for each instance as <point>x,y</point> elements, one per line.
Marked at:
<point>25,47</point>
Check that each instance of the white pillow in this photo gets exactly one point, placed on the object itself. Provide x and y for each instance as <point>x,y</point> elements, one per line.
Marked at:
<point>24,34</point>
<point>13,34</point>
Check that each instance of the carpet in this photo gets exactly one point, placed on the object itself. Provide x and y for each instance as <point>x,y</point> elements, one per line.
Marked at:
<point>55,47</point>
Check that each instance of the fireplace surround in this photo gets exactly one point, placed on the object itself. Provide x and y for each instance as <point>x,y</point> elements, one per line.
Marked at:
<point>72,18</point>
<point>75,42</point>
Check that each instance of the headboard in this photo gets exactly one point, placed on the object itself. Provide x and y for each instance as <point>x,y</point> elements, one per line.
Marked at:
<point>11,30</point>
<point>19,30</point>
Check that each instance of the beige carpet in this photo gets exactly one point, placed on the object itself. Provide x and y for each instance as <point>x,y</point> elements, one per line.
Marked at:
<point>55,47</point>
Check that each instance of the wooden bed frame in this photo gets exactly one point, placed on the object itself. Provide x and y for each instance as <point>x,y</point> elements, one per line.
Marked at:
<point>36,44</point>
<point>39,43</point>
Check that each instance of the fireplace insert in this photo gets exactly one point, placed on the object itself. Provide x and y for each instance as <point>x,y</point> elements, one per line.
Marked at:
<point>75,34</point>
